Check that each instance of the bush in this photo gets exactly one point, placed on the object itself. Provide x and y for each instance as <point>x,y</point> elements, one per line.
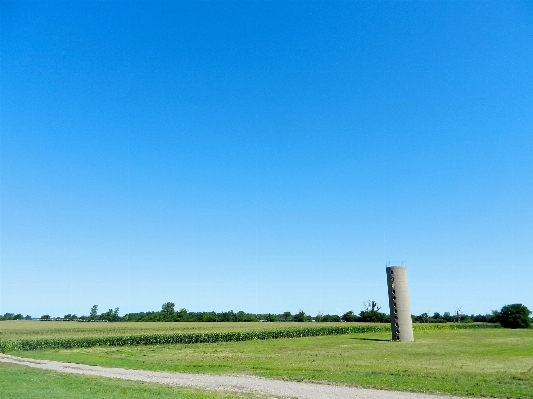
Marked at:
<point>373,316</point>
<point>349,317</point>
<point>515,316</point>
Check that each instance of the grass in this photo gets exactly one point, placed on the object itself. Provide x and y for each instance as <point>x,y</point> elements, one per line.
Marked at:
<point>482,363</point>
<point>18,382</point>
<point>76,339</point>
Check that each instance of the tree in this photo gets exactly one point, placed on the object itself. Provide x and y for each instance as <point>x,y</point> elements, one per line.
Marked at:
<point>286,316</point>
<point>371,313</point>
<point>330,318</point>
<point>457,314</point>
<point>271,318</point>
<point>168,308</point>
<point>371,306</point>
<point>94,312</point>
<point>110,315</point>
<point>495,317</point>
<point>424,317</point>
<point>515,316</point>
<point>300,317</point>
<point>45,317</point>
<point>349,316</point>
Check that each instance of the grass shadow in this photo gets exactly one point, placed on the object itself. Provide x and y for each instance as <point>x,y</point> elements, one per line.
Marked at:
<point>372,339</point>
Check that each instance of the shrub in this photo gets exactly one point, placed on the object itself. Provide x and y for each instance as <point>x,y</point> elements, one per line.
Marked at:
<point>373,316</point>
<point>349,316</point>
<point>515,316</point>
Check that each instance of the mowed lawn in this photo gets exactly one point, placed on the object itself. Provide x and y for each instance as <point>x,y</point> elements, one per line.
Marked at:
<point>483,363</point>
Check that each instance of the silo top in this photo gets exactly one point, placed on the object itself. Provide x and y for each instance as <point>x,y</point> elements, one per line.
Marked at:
<point>395,267</point>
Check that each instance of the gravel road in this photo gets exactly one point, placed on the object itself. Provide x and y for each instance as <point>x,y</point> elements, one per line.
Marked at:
<point>235,383</point>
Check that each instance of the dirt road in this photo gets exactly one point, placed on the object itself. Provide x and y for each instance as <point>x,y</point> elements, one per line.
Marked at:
<point>235,383</point>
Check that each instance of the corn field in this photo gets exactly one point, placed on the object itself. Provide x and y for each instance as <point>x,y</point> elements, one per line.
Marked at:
<point>210,337</point>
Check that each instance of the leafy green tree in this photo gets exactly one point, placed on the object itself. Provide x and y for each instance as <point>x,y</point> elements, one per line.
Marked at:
<point>349,316</point>
<point>299,317</point>
<point>515,316</point>
<point>208,316</point>
<point>286,316</point>
<point>110,315</point>
<point>271,318</point>
<point>168,308</point>
<point>330,318</point>
<point>94,313</point>
<point>424,317</point>
<point>495,317</point>
<point>226,316</point>
<point>181,315</point>
<point>373,316</point>
<point>45,317</point>
<point>7,316</point>
<point>371,313</point>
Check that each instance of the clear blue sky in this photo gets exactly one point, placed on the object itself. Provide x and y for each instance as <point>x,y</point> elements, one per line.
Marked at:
<point>265,156</point>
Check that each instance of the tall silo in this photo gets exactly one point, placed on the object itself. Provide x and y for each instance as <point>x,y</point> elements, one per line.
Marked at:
<point>400,307</point>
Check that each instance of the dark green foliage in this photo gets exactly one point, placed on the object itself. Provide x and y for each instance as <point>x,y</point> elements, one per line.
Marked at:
<point>349,316</point>
<point>13,316</point>
<point>373,316</point>
<point>271,317</point>
<point>286,316</point>
<point>110,315</point>
<point>327,318</point>
<point>45,317</point>
<point>167,314</point>
<point>463,318</point>
<point>301,317</point>
<point>515,316</point>
<point>168,308</point>
<point>94,312</point>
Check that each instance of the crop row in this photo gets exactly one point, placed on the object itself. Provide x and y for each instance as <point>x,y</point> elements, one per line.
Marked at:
<point>210,337</point>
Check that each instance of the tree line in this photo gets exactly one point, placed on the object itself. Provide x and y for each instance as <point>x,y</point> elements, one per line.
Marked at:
<point>510,315</point>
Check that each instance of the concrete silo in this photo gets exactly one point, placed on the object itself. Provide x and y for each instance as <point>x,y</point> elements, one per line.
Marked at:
<point>400,307</point>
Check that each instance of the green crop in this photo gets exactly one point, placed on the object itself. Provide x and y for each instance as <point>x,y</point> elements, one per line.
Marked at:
<point>209,337</point>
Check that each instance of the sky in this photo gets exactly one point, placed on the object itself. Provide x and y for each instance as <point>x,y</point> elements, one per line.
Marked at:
<point>265,156</point>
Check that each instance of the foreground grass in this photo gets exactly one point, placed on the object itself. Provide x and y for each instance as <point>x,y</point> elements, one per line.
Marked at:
<point>18,382</point>
<point>483,363</point>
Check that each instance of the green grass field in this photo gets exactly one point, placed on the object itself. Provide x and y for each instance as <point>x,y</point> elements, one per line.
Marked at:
<point>18,382</point>
<point>483,363</point>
